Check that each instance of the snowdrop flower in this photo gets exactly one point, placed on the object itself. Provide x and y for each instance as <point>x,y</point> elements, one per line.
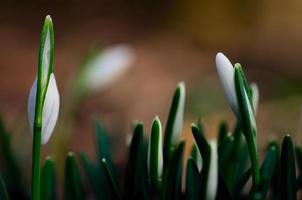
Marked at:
<point>226,74</point>
<point>155,153</point>
<point>106,67</point>
<point>212,184</point>
<point>50,108</point>
<point>43,100</point>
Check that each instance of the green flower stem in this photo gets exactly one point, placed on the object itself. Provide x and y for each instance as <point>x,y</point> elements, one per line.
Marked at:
<point>246,117</point>
<point>36,163</point>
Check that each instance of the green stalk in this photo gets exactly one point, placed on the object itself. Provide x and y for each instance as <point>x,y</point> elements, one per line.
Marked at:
<point>247,122</point>
<point>36,163</point>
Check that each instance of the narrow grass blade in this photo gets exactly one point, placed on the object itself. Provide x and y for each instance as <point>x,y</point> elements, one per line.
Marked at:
<point>222,133</point>
<point>135,167</point>
<point>205,152</point>
<point>267,171</point>
<point>224,151</point>
<point>175,121</point>
<point>155,156</point>
<point>110,182</point>
<point>73,183</point>
<point>173,176</point>
<point>236,192</point>
<point>224,156</point>
<point>288,170</point>
<point>12,171</point>
<point>276,180</point>
<point>192,180</point>
<point>298,152</point>
<point>102,144</point>
<point>241,161</point>
<point>246,118</point>
<point>223,190</point>
<point>95,177</point>
<point>48,180</point>
<point>3,190</point>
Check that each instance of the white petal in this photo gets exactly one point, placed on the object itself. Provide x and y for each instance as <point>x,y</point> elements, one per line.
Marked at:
<point>50,108</point>
<point>255,91</point>
<point>226,73</point>
<point>107,67</point>
<point>178,125</point>
<point>213,172</point>
<point>32,104</point>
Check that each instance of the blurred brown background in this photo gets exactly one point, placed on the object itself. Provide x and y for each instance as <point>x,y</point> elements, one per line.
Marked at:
<point>173,41</point>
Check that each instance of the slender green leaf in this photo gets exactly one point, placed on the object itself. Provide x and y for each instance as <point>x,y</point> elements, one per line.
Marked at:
<point>48,180</point>
<point>241,183</point>
<point>288,170</point>
<point>135,166</point>
<point>246,118</point>
<point>111,183</point>
<point>224,156</point>
<point>3,190</point>
<point>267,171</point>
<point>155,156</point>
<point>103,148</point>
<point>173,176</point>
<point>192,180</point>
<point>95,177</point>
<point>223,132</point>
<point>205,152</point>
<point>241,161</point>
<point>223,190</point>
<point>298,152</point>
<point>276,180</point>
<point>174,121</point>
<point>73,183</point>
<point>102,144</point>
<point>12,171</point>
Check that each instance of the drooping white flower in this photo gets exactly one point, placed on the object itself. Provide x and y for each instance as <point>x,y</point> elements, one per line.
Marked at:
<point>155,159</point>
<point>179,116</point>
<point>212,183</point>
<point>226,73</point>
<point>106,67</point>
<point>43,100</point>
<point>50,108</point>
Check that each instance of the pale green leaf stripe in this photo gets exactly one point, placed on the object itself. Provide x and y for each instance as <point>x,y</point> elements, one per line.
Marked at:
<point>175,120</point>
<point>155,154</point>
